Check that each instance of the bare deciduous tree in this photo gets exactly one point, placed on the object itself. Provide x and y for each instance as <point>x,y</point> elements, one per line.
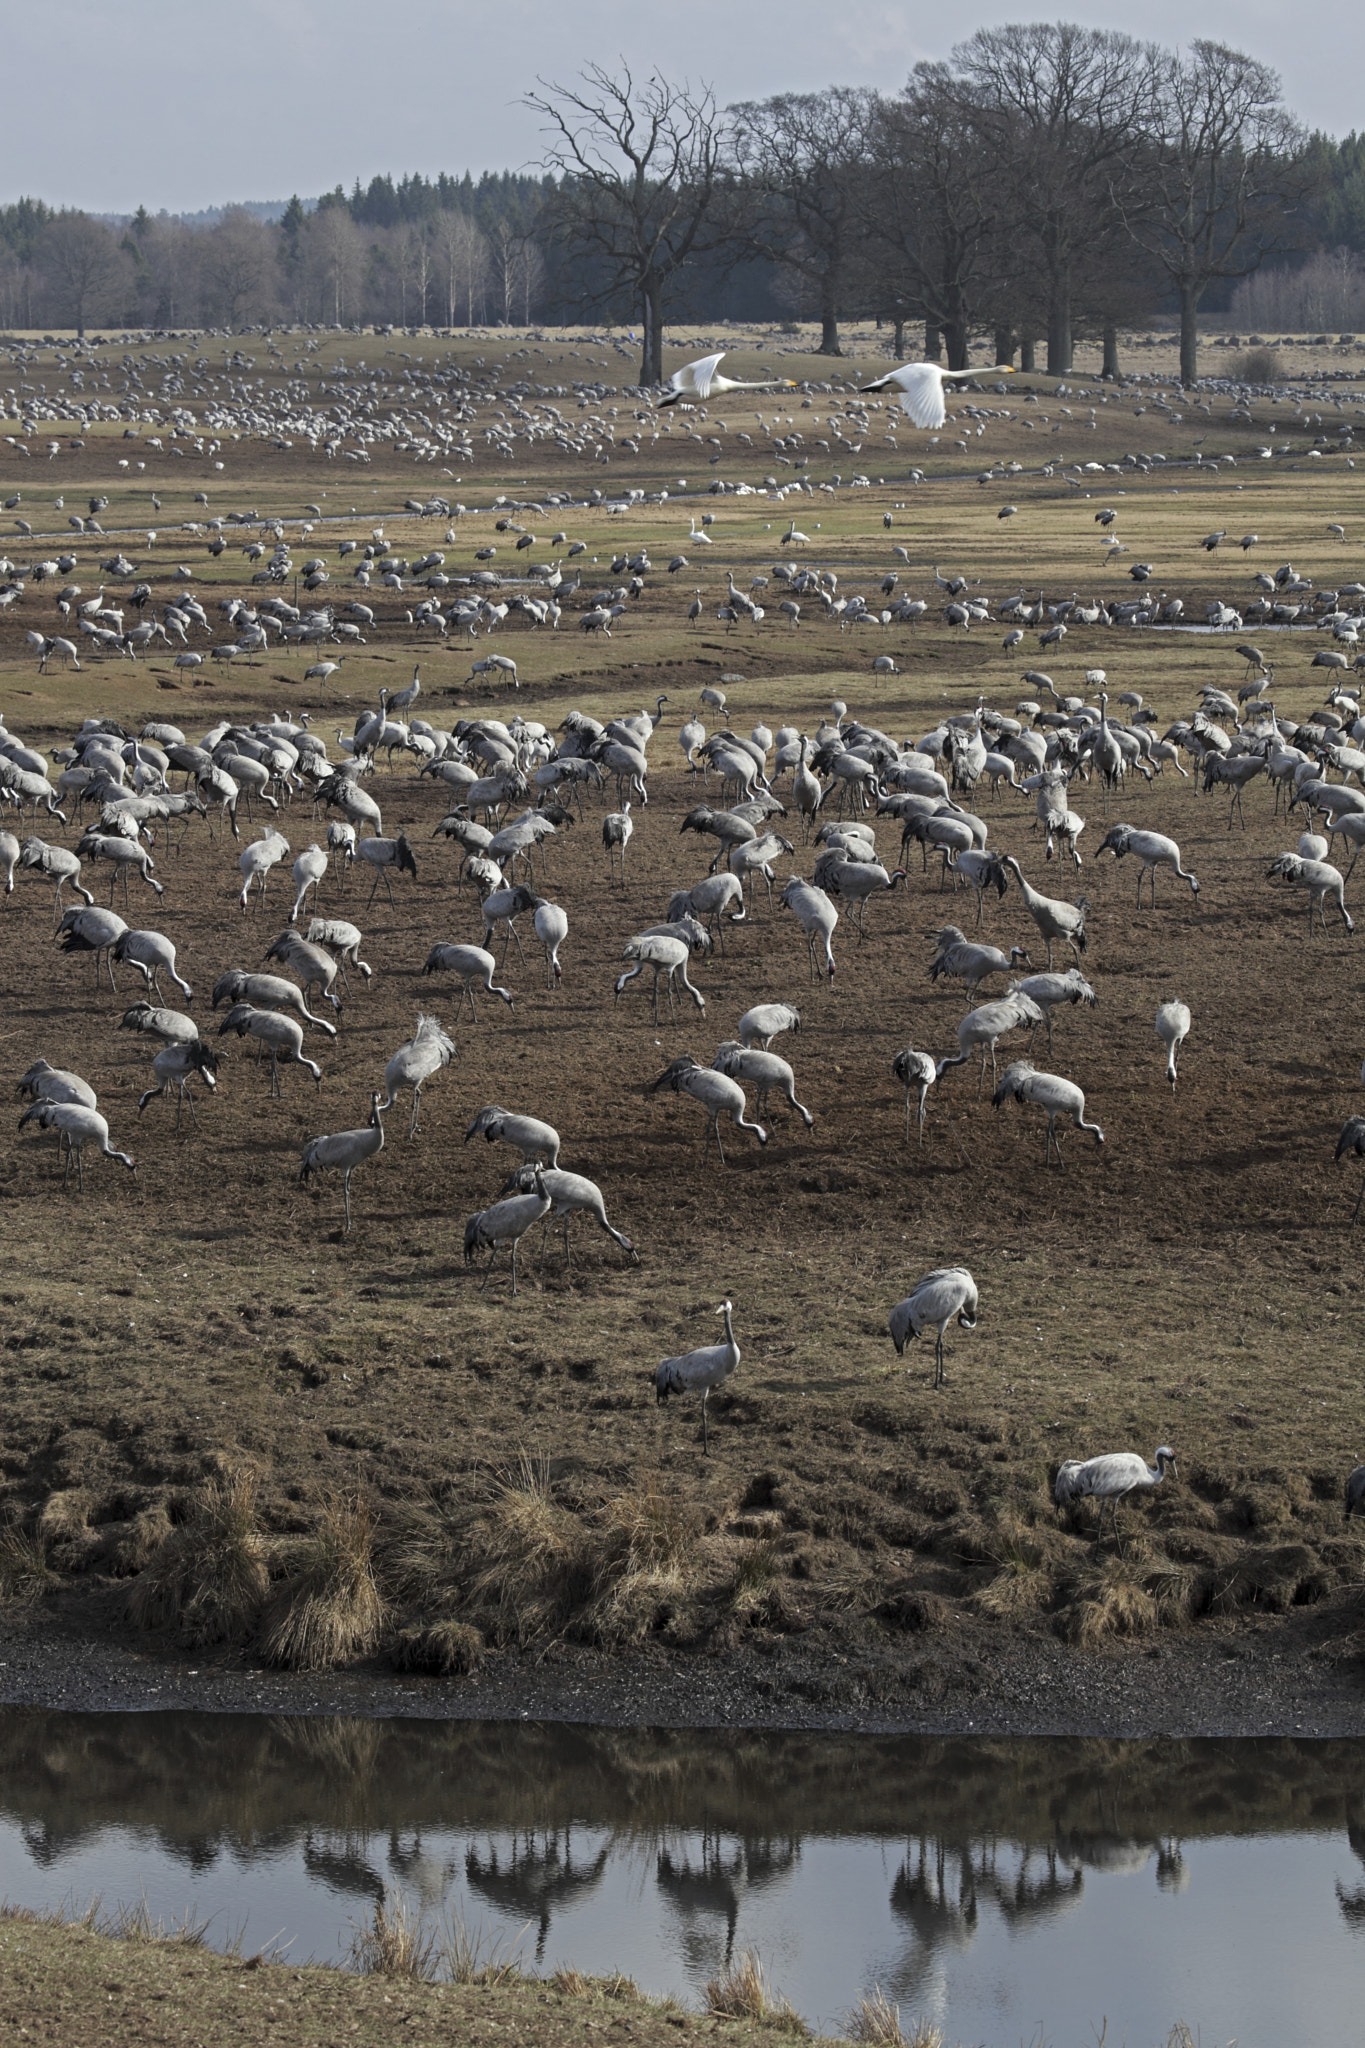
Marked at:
<point>639,175</point>
<point>801,156</point>
<point>1223,168</point>
<point>1064,108</point>
<point>81,263</point>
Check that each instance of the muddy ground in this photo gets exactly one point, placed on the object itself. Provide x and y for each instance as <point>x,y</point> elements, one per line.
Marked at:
<point>1191,1282</point>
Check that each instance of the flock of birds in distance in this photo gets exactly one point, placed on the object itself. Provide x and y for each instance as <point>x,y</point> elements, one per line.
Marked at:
<point>513,785</point>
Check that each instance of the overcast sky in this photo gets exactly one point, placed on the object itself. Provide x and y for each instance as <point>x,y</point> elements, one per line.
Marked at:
<point>157,103</point>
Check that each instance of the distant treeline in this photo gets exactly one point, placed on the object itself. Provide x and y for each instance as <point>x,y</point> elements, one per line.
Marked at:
<point>1050,183</point>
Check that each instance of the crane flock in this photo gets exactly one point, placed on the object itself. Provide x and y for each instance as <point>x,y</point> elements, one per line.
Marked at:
<point>514,788</point>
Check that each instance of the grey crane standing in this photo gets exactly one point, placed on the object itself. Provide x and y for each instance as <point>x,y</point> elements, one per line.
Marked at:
<point>915,1070</point>
<point>506,1222</point>
<point>345,1150</point>
<point>428,1050</point>
<point>948,1293</point>
<point>700,1371</point>
<point>1110,1479</point>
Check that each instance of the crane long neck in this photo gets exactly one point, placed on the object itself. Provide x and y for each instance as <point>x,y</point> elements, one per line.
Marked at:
<point>729,1330</point>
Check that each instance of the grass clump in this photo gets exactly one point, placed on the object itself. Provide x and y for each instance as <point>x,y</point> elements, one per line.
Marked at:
<point>1128,1596</point>
<point>24,1572</point>
<point>642,1559</point>
<point>876,2021</point>
<point>470,1959</point>
<point>330,1609</point>
<point>741,1992</point>
<point>395,1942</point>
<point>209,1577</point>
<point>1027,1558</point>
<point>441,1649</point>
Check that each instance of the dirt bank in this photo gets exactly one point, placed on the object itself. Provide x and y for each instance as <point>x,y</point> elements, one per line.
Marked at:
<point>1296,1676</point>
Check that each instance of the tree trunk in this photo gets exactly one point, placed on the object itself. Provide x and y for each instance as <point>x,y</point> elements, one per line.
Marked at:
<point>1005,345</point>
<point>829,330</point>
<point>1189,333</point>
<point>933,342</point>
<point>1028,359</point>
<point>1059,333</point>
<point>955,334</point>
<point>1111,372</point>
<point>652,348</point>
<point>898,343</point>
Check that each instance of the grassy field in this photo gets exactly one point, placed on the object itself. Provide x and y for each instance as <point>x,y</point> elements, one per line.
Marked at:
<point>498,1468</point>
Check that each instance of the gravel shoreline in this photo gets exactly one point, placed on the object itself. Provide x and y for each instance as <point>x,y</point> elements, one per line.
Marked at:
<point>1298,1676</point>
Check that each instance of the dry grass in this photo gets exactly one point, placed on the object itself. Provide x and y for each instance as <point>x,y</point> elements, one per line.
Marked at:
<point>741,1992</point>
<point>24,1571</point>
<point>645,1559</point>
<point>397,1942</point>
<point>329,1610</point>
<point>876,2021</point>
<point>442,1649</point>
<point>469,1956</point>
<point>209,1578</point>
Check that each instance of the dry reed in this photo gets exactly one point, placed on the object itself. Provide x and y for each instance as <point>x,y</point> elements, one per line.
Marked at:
<point>330,1609</point>
<point>209,1577</point>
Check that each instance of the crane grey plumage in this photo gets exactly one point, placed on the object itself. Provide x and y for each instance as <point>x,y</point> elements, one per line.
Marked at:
<point>44,1083</point>
<point>172,1027</point>
<point>1153,850</point>
<point>700,1371</point>
<point>428,1050</point>
<point>666,956</point>
<point>617,828</point>
<point>947,1293</point>
<point>762,1070</point>
<point>961,959</point>
<point>343,940</point>
<point>384,855</point>
<point>1318,877</point>
<point>766,1021</point>
<point>468,964</point>
<point>282,1035</point>
<point>506,1222</point>
<point>1110,1479</point>
<point>175,1066</point>
<point>1051,1092</point>
<point>526,1134</point>
<point>1048,990</point>
<point>92,931</point>
<point>571,1193</point>
<point>346,1150</point>
<point>268,992</point>
<point>80,1126</point>
<point>717,1093</point>
<point>915,1070</point>
<point>983,1026</point>
<point>1054,919</point>
<point>152,954</point>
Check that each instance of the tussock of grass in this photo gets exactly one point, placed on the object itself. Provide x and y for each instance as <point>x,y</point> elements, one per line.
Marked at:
<point>741,1992</point>
<point>209,1577</point>
<point>572,1984</point>
<point>24,1573</point>
<point>330,1609</point>
<point>643,1558</point>
<point>1129,1595</point>
<point>1028,1558</point>
<point>876,2021</point>
<point>443,1649</point>
<point>395,1942</point>
<point>137,1542</point>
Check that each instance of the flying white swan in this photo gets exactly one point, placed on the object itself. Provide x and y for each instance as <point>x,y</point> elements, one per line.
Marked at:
<point>921,388</point>
<point>702,380</point>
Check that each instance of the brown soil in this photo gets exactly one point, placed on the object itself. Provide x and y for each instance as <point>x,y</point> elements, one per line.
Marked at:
<point>67,1983</point>
<point>1191,1283</point>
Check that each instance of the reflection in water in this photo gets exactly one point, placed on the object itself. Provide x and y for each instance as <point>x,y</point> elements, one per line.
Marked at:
<point>999,1886</point>
<point>534,1878</point>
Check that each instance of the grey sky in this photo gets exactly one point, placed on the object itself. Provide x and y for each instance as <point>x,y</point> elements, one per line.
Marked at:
<point>176,106</point>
